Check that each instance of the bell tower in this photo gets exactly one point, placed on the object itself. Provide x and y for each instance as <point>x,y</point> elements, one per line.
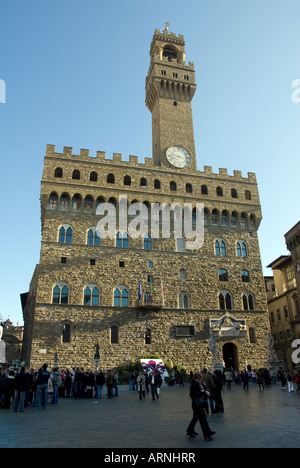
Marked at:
<point>170,87</point>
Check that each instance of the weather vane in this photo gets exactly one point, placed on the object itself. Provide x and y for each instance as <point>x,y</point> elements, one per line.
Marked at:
<point>167,24</point>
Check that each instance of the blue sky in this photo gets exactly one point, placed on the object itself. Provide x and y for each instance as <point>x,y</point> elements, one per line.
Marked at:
<point>75,73</point>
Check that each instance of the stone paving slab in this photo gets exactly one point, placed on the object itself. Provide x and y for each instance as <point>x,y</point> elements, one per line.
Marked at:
<point>251,419</point>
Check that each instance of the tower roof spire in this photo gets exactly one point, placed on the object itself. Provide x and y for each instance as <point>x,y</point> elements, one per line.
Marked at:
<point>167,24</point>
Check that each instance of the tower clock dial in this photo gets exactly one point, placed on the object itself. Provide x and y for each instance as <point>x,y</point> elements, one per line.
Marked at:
<point>178,157</point>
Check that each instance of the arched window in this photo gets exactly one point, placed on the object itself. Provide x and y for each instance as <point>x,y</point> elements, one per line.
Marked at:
<point>114,335</point>
<point>219,192</point>
<point>110,179</point>
<point>93,237</point>
<point>58,172</point>
<point>225,300</point>
<point>215,217</point>
<point>234,193</point>
<point>60,294</point>
<point>157,184</point>
<point>169,52</point>
<point>76,174</point>
<point>65,234</point>
<point>76,202</point>
<point>122,240</point>
<point>99,202</point>
<point>64,202</point>
<point>88,204</point>
<point>248,195</point>
<point>241,249</point>
<point>127,180</point>
<point>194,216</point>
<point>91,295</point>
<point>252,222</point>
<point>147,243</point>
<point>183,300</point>
<point>223,275</point>
<point>173,186</point>
<point>224,218</point>
<point>143,182</point>
<point>189,188</point>
<point>234,218</point>
<point>93,176</point>
<point>204,190</point>
<point>248,301</point>
<point>53,201</point>
<point>245,276</point>
<point>243,221</point>
<point>206,217</point>
<point>220,247</point>
<point>121,297</point>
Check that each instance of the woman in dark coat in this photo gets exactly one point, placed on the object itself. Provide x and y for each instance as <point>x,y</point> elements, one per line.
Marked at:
<point>9,390</point>
<point>199,395</point>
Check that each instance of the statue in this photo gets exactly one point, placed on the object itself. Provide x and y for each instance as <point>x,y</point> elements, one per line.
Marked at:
<point>2,345</point>
<point>270,347</point>
<point>212,346</point>
<point>273,361</point>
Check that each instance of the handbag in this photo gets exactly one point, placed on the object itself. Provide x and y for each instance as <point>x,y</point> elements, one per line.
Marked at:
<point>200,401</point>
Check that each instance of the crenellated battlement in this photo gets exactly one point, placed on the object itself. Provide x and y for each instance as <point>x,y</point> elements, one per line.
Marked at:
<point>165,34</point>
<point>133,161</point>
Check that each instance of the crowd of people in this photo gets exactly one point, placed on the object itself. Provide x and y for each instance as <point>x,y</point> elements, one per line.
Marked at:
<point>206,391</point>
<point>24,388</point>
<point>30,388</point>
<point>264,378</point>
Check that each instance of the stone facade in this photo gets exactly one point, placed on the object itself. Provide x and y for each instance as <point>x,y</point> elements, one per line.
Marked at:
<point>187,288</point>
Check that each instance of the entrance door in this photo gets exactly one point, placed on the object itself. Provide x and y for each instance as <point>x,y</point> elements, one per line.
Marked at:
<point>230,356</point>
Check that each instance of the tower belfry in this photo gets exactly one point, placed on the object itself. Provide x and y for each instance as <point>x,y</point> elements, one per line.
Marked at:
<point>170,87</point>
<point>151,293</point>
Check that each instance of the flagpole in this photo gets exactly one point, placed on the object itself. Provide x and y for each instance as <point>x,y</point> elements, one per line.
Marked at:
<point>140,290</point>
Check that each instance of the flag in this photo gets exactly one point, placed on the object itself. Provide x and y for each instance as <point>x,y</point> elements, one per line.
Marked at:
<point>140,290</point>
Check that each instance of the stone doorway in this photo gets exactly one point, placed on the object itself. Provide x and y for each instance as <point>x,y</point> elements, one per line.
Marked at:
<point>230,356</point>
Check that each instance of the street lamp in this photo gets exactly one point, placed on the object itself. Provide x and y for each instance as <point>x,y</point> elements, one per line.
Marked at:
<point>97,356</point>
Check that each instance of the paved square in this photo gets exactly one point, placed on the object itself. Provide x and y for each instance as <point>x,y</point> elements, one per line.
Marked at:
<point>251,419</point>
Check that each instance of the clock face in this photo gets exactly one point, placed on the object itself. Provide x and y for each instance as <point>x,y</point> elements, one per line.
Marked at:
<point>178,157</point>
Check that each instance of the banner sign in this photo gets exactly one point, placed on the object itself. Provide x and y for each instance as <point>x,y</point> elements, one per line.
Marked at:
<point>154,365</point>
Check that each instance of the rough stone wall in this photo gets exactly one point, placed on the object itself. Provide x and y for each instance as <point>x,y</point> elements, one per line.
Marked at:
<point>91,325</point>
